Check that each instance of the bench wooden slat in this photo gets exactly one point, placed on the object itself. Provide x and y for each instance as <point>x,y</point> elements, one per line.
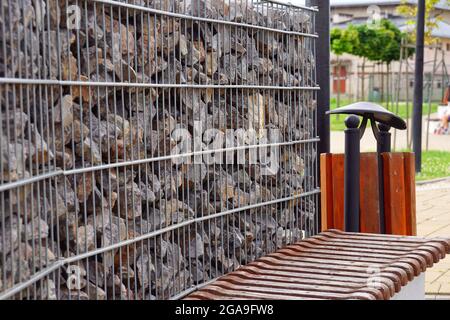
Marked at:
<point>328,266</point>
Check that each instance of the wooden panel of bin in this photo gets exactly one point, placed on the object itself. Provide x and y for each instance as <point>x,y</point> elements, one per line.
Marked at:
<point>369,194</point>
<point>332,186</point>
<point>410,191</point>
<point>399,188</point>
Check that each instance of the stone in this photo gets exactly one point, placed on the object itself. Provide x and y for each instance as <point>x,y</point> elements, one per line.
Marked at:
<point>162,277</point>
<point>170,181</point>
<point>80,131</point>
<point>196,53</point>
<point>119,38</point>
<point>109,228</point>
<point>64,159</point>
<point>73,295</point>
<point>143,102</point>
<point>84,186</point>
<point>10,231</point>
<point>47,290</point>
<point>85,239</point>
<point>288,236</point>
<point>265,66</point>
<point>148,196</point>
<point>144,267</point>
<point>13,159</point>
<point>97,203</point>
<point>116,289</point>
<point>173,208</point>
<point>89,150</point>
<point>269,43</point>
<point>212,63</point>
<point>256,110</point>
<point>14,123</point>
<point>183,45</point>
<point>96,293</point>
<point>212,9</point>
<point>40,153</point>
<point>242,178</point>
<point>175,259</point>
<point>196,247</point>
<point>222,186</point>
<point>36,229</point>
<point>43,257</point>
<point>194,174</point>
<point>130,201</point>
<point>200,202</point>
<point>65,199</point>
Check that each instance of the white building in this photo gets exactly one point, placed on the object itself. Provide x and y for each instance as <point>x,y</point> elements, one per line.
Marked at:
<point>344,12</point>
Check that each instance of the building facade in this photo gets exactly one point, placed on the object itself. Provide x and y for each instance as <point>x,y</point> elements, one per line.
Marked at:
<point>357,79</point>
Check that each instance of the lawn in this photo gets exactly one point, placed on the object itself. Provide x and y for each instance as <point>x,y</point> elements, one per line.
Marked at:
<point>337,122</point>
<point>435,164</point>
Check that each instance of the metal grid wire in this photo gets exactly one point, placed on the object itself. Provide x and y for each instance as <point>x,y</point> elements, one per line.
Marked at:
<point>151,146</point>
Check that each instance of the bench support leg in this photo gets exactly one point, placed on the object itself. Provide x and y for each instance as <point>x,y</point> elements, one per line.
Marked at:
<point>414,290</point>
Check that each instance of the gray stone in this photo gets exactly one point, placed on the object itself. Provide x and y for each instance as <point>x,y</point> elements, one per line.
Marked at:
<point>36,229</point>
<point>144,267</point>
<point>10,231</point>
<point>130,201</point>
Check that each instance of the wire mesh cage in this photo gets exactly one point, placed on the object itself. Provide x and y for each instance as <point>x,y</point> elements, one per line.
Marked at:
<point>151,146</point>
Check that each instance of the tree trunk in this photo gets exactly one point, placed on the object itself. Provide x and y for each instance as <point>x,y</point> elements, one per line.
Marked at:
<point>338,100</point>
<point>388,86</point>
<point>382,83</point>
<point>363,74</point>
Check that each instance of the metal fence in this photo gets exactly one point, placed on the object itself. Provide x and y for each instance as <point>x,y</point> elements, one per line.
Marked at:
<point>151,146</point>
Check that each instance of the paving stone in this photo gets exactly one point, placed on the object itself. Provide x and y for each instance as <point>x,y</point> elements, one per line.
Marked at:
<point>433,219</point>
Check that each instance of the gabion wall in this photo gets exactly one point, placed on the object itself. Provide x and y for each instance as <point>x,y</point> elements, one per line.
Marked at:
<point>150,146</point>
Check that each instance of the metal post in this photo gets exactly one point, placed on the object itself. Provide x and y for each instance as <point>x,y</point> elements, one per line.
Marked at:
<point>351,174</point>
<point>322,26</point>
<point>383,145</point>
<point>418,85</point>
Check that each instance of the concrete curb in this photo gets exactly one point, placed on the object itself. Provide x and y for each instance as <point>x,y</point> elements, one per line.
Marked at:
<point>421,183</point>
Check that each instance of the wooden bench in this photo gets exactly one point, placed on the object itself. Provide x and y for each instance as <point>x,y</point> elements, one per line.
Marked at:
<point>332,265</point>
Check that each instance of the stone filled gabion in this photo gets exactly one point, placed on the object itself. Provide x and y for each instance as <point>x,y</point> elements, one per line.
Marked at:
<point>97,102</point>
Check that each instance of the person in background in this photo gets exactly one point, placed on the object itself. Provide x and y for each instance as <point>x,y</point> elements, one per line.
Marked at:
<point>446,99</point>
<point>443,126</point>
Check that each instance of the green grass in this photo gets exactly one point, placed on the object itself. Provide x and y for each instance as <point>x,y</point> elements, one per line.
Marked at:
<point>435,164</point>
<point>337,122</point>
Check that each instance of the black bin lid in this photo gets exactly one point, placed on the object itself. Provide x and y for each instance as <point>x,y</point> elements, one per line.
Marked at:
<point>379,114</point>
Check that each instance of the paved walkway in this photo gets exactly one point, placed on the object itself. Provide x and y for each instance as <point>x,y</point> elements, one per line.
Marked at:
<point>433,219</point>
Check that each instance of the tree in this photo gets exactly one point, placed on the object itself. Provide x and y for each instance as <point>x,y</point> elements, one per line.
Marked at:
<point>378,42</point>
<point>431,20</point>
<point>368,46</point>
<point>342,41</point>
<point>392,38</point>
